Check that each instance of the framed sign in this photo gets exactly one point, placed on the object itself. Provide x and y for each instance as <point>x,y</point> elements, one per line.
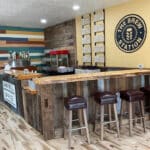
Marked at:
<point>130,33</point>
<point>9,93</point>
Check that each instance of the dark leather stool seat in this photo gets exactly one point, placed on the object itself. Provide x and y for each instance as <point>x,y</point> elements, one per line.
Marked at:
<point>109,99</point>
<point>105,98</point>
<point>132,95</point>
<point>146,90</point>
<point>75,102</point>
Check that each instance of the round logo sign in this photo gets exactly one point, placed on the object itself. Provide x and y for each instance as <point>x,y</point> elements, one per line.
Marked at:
<point>130,33</point>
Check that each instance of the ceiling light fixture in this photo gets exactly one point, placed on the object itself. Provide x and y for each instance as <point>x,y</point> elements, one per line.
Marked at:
<point>43,21</point>
<point>75,7</point>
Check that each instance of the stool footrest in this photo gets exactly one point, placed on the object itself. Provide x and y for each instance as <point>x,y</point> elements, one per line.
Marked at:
<point>74,129</point>
<point>108,122</point>
<point>138,118</point>
<point>75,120</point>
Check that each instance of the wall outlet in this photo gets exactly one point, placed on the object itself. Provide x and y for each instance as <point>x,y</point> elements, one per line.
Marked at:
<point>140,66</point>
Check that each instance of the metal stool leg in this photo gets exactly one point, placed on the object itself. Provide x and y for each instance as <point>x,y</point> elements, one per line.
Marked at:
<point>130,119</point>
<point>102,121</point>
<point>86,125</point>
<point>116,119</point>
<point>70,128</point>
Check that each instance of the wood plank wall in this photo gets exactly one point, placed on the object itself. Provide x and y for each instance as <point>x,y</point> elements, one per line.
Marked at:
<point>21,39</point>
<point>62,36</point>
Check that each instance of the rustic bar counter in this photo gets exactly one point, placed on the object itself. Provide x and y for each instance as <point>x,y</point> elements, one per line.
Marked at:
<point>12,89</point>
<point>51,90</point>
<point>90,76</point>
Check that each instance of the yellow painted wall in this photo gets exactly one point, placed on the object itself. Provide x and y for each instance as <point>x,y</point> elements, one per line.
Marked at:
<point>92,35</point>
<point>114,56</point>
<point>78,40</point>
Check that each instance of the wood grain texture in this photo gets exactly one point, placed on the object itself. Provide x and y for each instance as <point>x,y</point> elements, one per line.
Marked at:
<point>47,110</point>
<point>33,110</point>
<point>22,39</point>
<point>27,42</point>
<point>91,76</point>
<point>62,36</point>
<point>2,31</point>
<point>21,45</point>
<point>18,74</point>
<point>16,134</point>
<point>23,32</point>
<point>54,96</point>
<point>30,91</point>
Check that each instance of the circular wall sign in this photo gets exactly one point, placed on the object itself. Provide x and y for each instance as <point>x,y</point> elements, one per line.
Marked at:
<point>130,33</point>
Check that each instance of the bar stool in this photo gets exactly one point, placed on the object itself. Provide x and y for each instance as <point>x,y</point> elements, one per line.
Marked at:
<point>71,104</point>
<point>146,91</point>
<point>132,96</point>
<point>109,99</point>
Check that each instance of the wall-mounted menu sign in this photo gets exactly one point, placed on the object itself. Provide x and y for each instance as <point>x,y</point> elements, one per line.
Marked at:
<point>9,93</point>
<point>130,33</point>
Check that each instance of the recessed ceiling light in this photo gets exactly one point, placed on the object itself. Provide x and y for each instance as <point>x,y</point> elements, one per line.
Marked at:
<point>43,21</point>
<point>75,7</point>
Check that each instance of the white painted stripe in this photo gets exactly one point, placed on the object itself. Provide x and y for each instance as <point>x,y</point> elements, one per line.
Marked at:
<point>36,62</point>
<point>31,54</point>
<point>46,59</point>
<point>36,54</point>
<point>22,36</point>
<point>47,51</point>
<point>4,55</point>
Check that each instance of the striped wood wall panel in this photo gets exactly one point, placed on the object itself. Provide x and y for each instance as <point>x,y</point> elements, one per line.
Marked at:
<point>21,39</point>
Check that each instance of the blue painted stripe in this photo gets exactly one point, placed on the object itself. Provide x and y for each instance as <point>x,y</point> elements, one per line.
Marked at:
<point>14,39</point>
<point>21,29</point>
<point>36,57</point>
<point>3,58</point>
<point>31,49</point>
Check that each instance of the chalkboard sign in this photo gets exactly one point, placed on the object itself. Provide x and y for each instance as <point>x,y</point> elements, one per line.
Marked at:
<point>9,93</point>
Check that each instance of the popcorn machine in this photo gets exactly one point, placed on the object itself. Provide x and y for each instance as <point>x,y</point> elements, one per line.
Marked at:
<point>59,58</point>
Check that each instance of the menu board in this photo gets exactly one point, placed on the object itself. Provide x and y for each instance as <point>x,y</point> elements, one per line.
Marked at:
<point>9,93</point>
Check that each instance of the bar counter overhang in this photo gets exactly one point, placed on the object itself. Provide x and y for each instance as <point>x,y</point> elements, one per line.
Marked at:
<point>51,91</point>
<point>91,76</point>
<point>43,109</point>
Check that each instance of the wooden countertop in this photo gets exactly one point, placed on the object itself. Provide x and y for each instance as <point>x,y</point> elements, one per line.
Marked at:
<point>29,90</point>
<point>90,76</point>
<point>20,74</point>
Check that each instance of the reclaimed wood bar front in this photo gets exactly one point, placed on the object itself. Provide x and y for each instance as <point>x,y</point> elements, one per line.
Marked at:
<point>19,80</point>
<point>51,90</point>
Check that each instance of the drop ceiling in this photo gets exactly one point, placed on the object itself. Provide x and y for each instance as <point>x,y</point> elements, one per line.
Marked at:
<point>27,13</point>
